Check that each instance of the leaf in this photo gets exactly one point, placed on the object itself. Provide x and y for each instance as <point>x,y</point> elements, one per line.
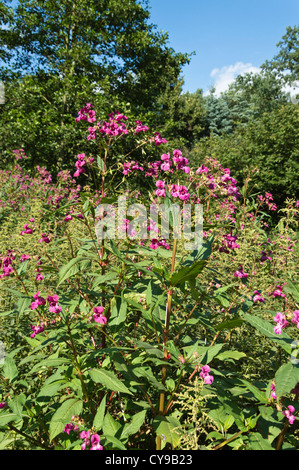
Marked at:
<point>230,355</point>
<point>117,443</point>
<point>50,362</point>
<point>168,429</point>
<point>109,380</point>
<point>257,442</point>
<point>10,370</point>
<point>17,404</point>
<point>6,417</point>
<point>99,416</point>
<point>259,395</point>
<point>70,269</point>
<point>63,415</point>
<point>118,313</point>
<point>110,426</point>
<point>186,273</point>
<point>266,328</point>
<point>286,378</point>
<point>135,425</point>
<point>230,324</point>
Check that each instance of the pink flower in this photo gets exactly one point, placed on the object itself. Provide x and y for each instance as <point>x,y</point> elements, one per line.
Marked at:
<point>273,394</point>
<point>281,321</point>
<point>70,427</point>
<point>239,273</point>
<point>161,191</point>
<point>26,230</point>
<point>204,374</point>
<point>98,317</point>
<point>158,139</point>
<point>3,404</point>
<point>53,305</point>
<point>257,297</point>
<point>36,329</point>
<point>45,238</point>
<point>140,127</point>
<point>295,318</point>
<point>289,414</point>
<point>37,301</point>
<point>95,442</point>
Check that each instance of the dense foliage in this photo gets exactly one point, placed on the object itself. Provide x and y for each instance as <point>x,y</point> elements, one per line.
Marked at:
<point>149,240</point>
<point>133,341</point>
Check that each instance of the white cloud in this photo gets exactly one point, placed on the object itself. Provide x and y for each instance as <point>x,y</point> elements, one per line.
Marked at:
<point>223,77</point>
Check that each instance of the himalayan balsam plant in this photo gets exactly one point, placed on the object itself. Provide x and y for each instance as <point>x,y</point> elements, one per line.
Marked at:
<point>112,330</point>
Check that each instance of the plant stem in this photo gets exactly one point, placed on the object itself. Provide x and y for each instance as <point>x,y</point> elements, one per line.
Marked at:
<point>165,340</point>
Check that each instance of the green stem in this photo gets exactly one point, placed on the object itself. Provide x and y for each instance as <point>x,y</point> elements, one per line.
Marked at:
<point>165,341</point>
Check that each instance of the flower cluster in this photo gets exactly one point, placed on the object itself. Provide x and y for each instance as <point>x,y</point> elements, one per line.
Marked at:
<point>267,199</point>
<point>93,441</point>
<point>239,273</point>
<point>205,375</point>
<point>229,243</point>
<point>53,304</point>
<point>86,114</point>
<point>37,329</point>
<point>45,238</point>
<point>19,154</point>
<point>156,243</point>
<point>38,301</point>
<point>114,126</point>
<point>140,127</point>
<point>98,316</point>
<point>131,166</point>
<point>79,164</point>
<point>257,297</point>
<point>6,264</point>
<point>278,292</point>
<point>281,323</point>
<point>289,414</point>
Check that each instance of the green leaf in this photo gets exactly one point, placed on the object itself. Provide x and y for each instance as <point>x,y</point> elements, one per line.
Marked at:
<point>109,380</point>
<point>267,329</point>
<point>63,415</point>
<point>135,425</point>
<point>10,370</point>
<point>286,378</point>
<point>230,355</point>
<point>168,429</point>
<point>186,273</point>
<point>229,324</point>
<point>99,416</point>
<point>117,444</point>
<point>17,404</point>
<point>50,362</point>
<point>6,417</point>
<point>118,313</point>
<point>259,395</point>
<point>70,269</point>
<point>110,426</point>
<point>257,442</point>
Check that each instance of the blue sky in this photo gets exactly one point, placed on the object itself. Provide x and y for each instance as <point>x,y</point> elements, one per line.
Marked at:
<point>228,36</point>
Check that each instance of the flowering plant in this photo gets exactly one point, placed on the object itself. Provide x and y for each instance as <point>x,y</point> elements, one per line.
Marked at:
<point>119,319</point>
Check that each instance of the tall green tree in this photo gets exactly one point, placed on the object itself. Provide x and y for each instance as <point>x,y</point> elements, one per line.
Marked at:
<point>286,62</point>
<point>68,52</point>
